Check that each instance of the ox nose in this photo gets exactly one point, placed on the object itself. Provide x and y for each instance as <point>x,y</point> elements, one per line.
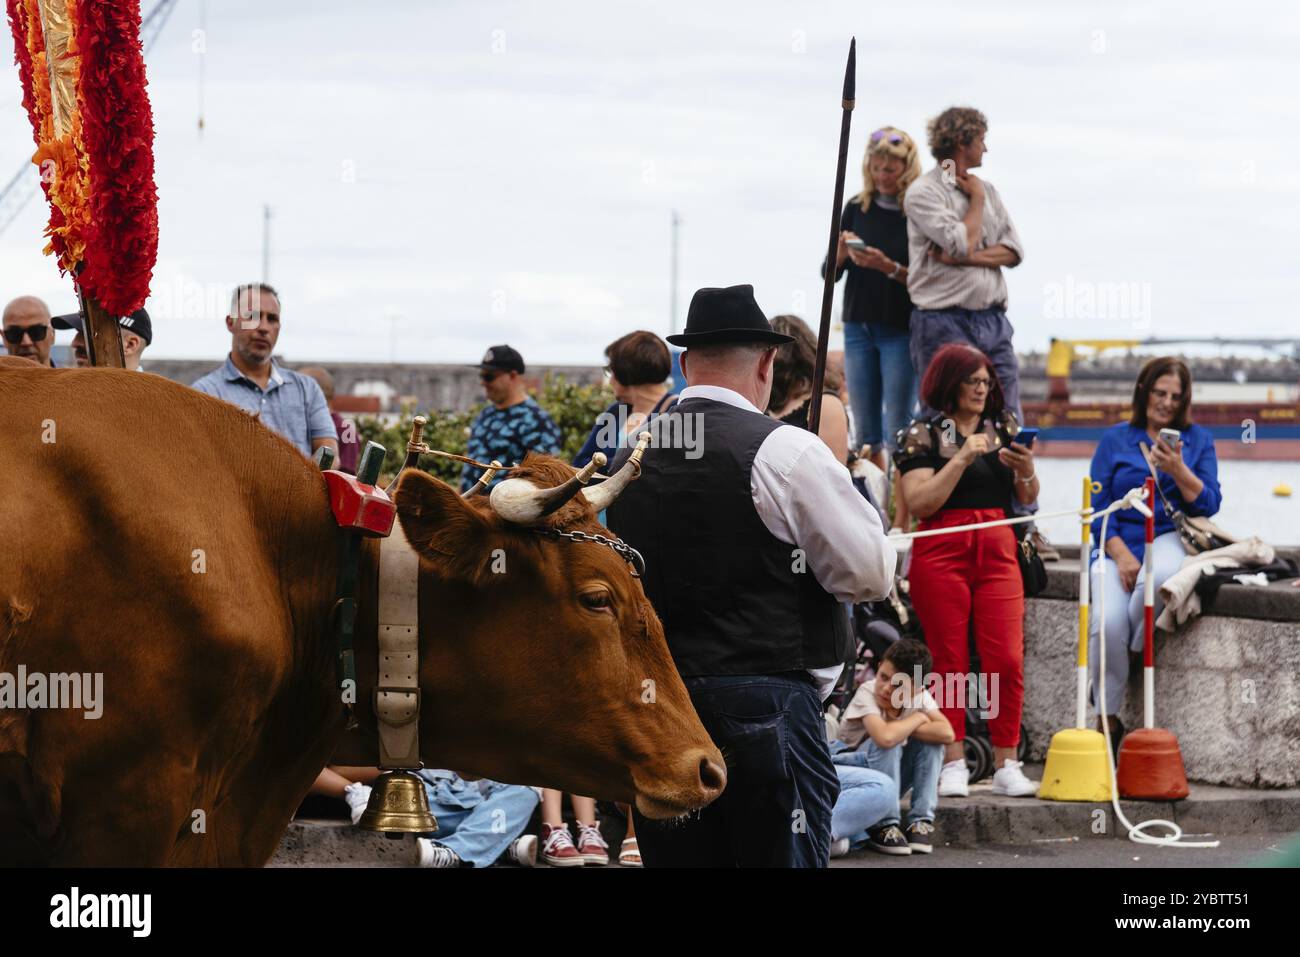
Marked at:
<point>713,776</point>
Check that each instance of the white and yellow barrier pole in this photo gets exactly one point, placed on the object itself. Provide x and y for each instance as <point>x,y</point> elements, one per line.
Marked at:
<point>1085,547</point>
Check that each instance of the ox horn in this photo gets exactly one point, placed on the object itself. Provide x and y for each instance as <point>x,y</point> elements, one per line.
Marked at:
<point>484,480</point>
<point>521,502</point>
<point>602,496</point>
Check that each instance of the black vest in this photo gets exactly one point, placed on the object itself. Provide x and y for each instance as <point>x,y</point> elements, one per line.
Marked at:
<point>734,599</point>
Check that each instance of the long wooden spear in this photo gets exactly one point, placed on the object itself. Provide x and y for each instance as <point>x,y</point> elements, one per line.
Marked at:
<point>828,289</point>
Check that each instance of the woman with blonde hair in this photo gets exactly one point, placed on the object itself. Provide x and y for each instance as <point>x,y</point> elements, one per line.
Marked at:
<point>877,309</point>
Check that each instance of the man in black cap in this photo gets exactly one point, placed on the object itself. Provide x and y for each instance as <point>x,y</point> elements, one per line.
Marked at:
<point>136,329</point>
<point>513,424</point>
<point>753,536</point>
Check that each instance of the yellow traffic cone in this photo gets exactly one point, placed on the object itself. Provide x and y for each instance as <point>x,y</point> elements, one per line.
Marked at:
<point>1076,768</point>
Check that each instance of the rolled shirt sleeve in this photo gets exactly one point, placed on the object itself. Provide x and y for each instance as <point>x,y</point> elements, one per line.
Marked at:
<point>1006,234</point>
<point>320,424</point>
<point>930,215</point>
<point>805,497</point>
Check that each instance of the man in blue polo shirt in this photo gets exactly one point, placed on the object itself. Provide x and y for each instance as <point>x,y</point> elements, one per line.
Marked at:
<point>289,402</point>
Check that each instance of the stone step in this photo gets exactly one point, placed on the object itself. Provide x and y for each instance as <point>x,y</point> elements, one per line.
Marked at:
<point>982,819</point>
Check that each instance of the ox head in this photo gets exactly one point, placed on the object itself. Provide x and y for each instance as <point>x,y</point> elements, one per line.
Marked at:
<point>542,661</point>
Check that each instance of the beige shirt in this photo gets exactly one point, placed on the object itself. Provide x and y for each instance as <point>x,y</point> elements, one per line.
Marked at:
<point>853,725</point>
<point>934,218</point>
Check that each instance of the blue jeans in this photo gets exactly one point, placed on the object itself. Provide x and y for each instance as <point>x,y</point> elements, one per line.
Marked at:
<point>478,820</point>
<point>867,797</point>
<point>913,765</point>
<point>878,366</point>
<point>781,785</point>
<point>988,330</point>
<point>1125,614</point>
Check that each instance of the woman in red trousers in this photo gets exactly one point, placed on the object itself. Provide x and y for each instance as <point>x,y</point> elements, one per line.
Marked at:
<point>961,466</point>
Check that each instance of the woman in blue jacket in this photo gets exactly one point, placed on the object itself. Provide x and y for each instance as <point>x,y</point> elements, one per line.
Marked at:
<point>1187,473</point>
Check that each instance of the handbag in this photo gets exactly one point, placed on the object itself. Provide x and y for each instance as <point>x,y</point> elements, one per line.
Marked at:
<point>1196,532</point>
<point>1032,570</point>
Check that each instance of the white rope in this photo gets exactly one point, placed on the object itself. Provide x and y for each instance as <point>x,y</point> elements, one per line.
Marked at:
<point>1084,514</point>
<point>1136,832</point>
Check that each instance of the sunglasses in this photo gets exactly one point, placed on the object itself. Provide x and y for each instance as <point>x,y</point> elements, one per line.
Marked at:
<point>14,334</point>
<point>489,376</point>
<point>893,138</point>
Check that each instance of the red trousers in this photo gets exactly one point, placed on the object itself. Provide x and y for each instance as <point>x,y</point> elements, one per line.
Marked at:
<point>971,581</point>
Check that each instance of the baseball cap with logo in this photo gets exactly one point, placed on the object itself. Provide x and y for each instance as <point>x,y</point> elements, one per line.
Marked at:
<point>138,322</point>
<point>502,359</point>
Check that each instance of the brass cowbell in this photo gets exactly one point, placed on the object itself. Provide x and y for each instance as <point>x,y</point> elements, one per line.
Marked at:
<point>398,805</point>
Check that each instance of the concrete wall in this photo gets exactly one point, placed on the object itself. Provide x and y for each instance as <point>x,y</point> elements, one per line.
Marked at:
<point>1227,685</point>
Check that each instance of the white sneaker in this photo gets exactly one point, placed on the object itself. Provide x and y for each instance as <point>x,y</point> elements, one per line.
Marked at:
<point>954,779</point>
<point>840,848</point>
<point>1011,781</point>
<point>358,796</point>
<point>523,851</point>
<point>430,853</point>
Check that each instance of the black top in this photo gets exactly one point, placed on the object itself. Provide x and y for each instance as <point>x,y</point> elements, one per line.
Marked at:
<point>869,295</point>
<point>799,417</point>
<point>732,596</point>
<point>986,483</point>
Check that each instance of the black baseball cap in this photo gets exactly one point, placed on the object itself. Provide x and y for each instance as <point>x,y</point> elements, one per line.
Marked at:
<point>502,359</point>
<point>138,322</point>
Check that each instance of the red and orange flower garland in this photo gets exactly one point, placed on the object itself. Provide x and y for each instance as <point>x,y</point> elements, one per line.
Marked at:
<point>97,176</point>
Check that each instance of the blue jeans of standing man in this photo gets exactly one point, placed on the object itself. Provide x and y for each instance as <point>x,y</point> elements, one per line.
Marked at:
<point>478,820</point>
<point>879,370</point>
<point>988,330</point>
<point>914,765</point>
<point>781,785</point>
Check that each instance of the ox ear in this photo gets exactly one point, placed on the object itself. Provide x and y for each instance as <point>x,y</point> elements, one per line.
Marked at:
<point>449,533</point>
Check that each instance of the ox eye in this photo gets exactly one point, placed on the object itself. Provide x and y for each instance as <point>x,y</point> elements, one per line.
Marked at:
<point>597,599</point>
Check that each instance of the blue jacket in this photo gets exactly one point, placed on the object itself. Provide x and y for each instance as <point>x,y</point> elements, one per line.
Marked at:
<point>1119,466</point>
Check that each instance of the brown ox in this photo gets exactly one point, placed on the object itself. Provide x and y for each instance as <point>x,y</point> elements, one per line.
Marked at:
<point>177,546</point>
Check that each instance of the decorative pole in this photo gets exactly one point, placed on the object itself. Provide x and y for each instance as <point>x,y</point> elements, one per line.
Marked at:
<point>1148,612</point>
<point>1081,689</point>
<point>828,287</point>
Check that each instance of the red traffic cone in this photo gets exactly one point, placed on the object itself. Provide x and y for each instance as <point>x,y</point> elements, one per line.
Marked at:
<point>1151,766</point>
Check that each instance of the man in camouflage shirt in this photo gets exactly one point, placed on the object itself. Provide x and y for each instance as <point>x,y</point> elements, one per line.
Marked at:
<point>513,424</point>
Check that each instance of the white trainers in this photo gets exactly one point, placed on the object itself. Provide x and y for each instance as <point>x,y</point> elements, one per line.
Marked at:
<point>840,848</point>
<point>358,796</point>
<point>1011,781</point>
<point>430,853</point>
<point>523,851</point>
<point>954,779</point>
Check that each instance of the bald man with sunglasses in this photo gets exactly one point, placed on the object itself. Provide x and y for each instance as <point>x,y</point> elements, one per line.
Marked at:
<point>27,330</point>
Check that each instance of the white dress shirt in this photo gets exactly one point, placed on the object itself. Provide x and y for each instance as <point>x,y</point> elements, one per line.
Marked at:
<point>805,497</point>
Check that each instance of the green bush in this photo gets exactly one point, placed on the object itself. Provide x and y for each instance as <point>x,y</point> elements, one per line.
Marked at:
<point>573,406</point>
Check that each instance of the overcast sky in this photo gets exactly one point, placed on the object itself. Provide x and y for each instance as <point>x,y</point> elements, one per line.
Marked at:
<point>446,175</point>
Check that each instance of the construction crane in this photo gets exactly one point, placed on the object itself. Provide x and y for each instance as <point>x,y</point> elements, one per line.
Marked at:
<point>25,184</point>
<point>1063,353</point>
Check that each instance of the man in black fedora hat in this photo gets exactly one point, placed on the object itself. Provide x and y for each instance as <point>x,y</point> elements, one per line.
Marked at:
<point>753,536</point>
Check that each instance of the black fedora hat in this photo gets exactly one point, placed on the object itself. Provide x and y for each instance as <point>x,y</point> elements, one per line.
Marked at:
<point>726,315</point>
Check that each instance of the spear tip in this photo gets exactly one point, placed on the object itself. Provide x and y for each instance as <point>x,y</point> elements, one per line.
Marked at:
<point>850,70</point>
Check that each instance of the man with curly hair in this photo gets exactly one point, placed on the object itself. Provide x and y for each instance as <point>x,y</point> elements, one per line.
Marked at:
<point>959,238</point>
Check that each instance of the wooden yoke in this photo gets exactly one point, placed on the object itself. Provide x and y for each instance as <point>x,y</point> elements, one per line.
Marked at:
<point>103,335</point>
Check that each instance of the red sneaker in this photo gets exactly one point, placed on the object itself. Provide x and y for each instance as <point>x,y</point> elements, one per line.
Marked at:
<point>558,849</point>
<point>591,845</point>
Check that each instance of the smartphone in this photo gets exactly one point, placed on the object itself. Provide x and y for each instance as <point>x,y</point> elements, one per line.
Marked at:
<point>857,244</point>
<point>1171,437</point>
<point>1026,437</point>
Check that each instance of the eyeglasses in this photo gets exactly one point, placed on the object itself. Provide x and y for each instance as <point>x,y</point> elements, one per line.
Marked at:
<point>37,333</point>
<point>893,138</point>
<point>978,382</point>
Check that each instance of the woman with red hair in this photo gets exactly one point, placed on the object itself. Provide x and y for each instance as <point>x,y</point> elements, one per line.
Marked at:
<point>961,466</point>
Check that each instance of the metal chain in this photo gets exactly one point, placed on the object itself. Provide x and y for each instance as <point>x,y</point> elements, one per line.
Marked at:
<point>624,550</point>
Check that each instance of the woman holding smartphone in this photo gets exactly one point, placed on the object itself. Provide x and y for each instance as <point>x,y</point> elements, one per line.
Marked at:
<point>1188,474</point>
<point>872,250</point>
